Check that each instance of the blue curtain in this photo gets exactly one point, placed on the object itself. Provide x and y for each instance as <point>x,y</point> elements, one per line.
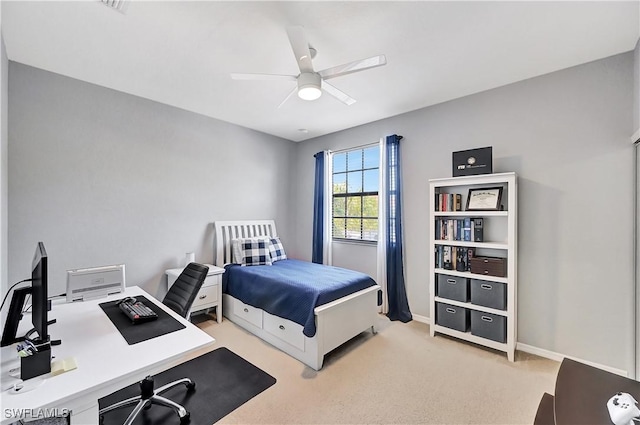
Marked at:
<point>318,210</point>
<point>397,295</point>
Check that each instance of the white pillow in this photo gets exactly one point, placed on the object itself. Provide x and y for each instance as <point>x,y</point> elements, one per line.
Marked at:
<point>277,250</point>
<point>251,251</point>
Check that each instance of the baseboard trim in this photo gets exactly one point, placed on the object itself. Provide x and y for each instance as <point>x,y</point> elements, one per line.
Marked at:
<point>551,355</point>
<point>421,319</point>
<point>547,354</point>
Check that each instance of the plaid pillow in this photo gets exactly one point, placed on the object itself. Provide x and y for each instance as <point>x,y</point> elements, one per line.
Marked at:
<point>255,252</point>
<point>277,250</point>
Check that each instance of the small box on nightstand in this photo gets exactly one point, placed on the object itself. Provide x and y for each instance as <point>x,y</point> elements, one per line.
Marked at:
<point>209,296</point>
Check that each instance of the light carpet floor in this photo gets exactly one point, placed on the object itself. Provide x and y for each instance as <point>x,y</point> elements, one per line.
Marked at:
<point>401,375</point>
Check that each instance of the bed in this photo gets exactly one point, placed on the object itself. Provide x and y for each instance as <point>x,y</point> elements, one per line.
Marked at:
<point>331,318</point>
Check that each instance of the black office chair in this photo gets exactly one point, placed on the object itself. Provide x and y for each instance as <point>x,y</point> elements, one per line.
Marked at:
<point>179,298</point>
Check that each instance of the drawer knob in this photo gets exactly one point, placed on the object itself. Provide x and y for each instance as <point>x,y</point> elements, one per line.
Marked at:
<point>281,327</point>
<point>451,281</point>
<point>246,310</point>
<point>202,297</point>
<point>450,310</point>
<point>486,286</point>
<point>487,319</point>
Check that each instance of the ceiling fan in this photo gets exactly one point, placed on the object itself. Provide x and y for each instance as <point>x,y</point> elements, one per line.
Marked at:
<point>309,82</point>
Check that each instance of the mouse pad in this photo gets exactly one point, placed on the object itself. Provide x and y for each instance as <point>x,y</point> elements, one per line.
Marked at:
<point>135,333</point>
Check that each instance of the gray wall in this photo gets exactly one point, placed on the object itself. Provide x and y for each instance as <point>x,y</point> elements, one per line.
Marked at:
<point>566,134</point>
<point>102,177</point>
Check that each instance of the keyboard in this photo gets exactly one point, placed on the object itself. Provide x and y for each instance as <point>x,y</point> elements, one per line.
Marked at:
<point>137,311</point>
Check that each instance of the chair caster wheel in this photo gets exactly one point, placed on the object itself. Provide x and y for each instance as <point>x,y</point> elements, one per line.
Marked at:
<point>191,386</point>
<point>185,419</point>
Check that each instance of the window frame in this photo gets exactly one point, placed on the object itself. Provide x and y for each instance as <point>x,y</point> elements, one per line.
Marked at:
<point>361,195</point>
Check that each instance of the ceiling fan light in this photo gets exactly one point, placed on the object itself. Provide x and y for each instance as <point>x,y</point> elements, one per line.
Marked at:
<point>309,92</point>
<point>309,86</point>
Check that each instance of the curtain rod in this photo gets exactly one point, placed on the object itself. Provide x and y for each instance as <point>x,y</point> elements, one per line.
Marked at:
<point>354,148</point>
<point>359,147</point>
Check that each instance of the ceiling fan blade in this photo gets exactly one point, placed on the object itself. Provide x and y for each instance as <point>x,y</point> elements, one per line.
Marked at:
<point>300,48</point>
<point>295,89</point>
<point>261,77</point>
<point>355,66</point>
<point>338,94</point>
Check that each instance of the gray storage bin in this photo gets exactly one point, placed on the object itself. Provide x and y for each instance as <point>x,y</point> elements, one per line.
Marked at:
<point>489,294</point>
<point>490,326</point>
<point>453,287</point>
<point>452,317</point>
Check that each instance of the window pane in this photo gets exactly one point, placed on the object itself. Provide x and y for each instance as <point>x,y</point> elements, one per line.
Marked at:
<point>338,207</point>
<point>370,206</point>
<point>354,206</point>
<point>353,228</point>
<point>354,182</point>
<point>372,157</point>
<point>340,183</point>
<point>354,160</point>
<point>370,229</point>
<point>339,162</point>
<point>338,228</point>
<point>371,180</point>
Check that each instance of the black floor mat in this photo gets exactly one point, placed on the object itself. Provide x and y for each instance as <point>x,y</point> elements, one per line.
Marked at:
<point>224,381</point>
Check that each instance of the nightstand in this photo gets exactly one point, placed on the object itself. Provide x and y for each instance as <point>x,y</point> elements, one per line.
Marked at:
<point>209,296</point>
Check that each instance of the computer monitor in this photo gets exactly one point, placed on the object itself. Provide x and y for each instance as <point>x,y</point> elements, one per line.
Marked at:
<point>39,293</point>
<point>39,303</point>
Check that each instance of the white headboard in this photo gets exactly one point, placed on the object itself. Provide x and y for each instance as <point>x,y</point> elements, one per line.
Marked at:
<point>226,231</point>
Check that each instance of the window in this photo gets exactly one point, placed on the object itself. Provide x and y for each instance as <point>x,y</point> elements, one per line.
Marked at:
<point>355,194</point>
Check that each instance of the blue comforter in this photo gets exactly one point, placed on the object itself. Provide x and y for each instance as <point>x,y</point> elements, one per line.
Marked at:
<point>292,288</point>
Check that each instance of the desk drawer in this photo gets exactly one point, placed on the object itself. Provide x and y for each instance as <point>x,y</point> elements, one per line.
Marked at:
<point>206,295</point>
<point>286,330</point>
<point>249,313</point>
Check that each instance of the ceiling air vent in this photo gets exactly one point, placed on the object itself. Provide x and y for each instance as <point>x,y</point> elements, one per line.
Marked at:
<point>115,4</point>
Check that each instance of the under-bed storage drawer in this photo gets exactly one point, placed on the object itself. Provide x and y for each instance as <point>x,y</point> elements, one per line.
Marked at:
<point>286,330</point>
<point>249,313</point>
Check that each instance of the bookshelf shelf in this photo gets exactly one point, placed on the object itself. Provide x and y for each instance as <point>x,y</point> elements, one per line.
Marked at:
<point>451,246</point>
<point>487,245</point>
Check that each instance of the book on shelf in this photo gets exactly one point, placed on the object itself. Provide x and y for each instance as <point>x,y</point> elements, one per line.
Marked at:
<point>446,258</point>
<point>477,229</point>
<point>467,229</point>
<point>448,202</point>
<point>461,262</point>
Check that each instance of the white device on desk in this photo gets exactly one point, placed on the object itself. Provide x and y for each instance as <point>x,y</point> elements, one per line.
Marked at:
<point>95,282</point>
<point>623,409</point>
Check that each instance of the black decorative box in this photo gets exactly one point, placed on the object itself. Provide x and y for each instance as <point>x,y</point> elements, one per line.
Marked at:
<point>473,161</point>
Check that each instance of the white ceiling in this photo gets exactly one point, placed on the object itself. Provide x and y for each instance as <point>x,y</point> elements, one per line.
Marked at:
<point>181,53</point>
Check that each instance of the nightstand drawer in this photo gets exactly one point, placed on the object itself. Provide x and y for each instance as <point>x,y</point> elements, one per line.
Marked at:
<point>206,295</point>
<point>212,280</point>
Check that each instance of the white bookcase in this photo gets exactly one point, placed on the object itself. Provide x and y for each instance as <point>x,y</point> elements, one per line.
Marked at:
<point>499,240</point>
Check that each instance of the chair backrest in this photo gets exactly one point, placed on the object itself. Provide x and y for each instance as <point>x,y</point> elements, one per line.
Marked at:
<point>184,290</point>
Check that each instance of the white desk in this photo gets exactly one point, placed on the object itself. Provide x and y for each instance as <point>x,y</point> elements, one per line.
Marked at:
<point>105,361</point>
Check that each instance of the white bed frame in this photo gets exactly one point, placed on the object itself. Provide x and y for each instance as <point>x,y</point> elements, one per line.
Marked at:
<point>336,322</point>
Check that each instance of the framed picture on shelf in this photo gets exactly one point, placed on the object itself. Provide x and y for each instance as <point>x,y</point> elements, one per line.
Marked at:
<point>484,199</point>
